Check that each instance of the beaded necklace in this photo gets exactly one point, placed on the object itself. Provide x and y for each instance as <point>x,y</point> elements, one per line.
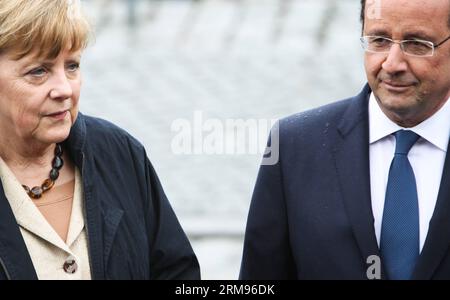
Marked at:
<point>57,163</point>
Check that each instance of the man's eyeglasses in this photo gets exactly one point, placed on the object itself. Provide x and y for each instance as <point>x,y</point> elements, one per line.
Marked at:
<point>379,44</point>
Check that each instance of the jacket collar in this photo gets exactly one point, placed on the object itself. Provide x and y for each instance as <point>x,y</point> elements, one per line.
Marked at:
<point>83,158</point>
<point>357,112</point>
<point>351,156</point>
<point>76,141</point>
<point>101,220</point>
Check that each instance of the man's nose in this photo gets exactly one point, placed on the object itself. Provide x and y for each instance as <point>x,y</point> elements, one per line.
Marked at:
<point>395,61</point>
<point>61,88</point>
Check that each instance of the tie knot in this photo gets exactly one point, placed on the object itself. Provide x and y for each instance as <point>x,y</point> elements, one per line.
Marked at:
<point>405,139</point>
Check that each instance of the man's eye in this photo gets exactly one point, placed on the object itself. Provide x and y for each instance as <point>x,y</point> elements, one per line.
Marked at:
<point>418,44</point>
<point>379,41</point>
<point>418,47</point>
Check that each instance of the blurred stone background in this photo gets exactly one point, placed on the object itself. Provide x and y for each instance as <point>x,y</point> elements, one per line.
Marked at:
<point>156,61</point>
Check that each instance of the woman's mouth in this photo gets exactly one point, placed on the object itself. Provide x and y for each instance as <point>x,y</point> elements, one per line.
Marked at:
<point>58,115</point>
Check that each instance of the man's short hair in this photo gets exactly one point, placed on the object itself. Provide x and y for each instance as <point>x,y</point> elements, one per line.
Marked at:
<point>363,10</point>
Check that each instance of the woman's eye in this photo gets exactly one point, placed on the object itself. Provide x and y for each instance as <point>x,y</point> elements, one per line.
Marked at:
<point>73,67</point>
<point>38,72</point>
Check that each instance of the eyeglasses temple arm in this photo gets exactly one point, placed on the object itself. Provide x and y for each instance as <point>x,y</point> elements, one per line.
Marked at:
<point>435,46</point>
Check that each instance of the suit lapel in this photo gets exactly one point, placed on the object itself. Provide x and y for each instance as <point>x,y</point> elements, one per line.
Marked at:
<point>351,156</point>
<point>438,237</point>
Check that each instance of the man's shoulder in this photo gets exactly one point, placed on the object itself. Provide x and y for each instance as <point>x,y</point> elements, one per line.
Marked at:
<point>338,114</point>
<point>327,115</point>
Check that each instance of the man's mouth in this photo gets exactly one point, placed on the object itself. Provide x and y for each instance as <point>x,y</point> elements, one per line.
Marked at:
<point>397,87</point>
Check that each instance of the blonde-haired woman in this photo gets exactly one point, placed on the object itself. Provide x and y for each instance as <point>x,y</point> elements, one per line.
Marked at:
<point>78,197</point>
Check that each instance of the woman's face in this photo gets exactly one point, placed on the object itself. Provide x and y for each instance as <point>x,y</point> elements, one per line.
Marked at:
<point>39,97</point>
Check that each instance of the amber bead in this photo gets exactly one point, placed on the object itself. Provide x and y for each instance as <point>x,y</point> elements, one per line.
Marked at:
<point>27,189</point>
<point>36,192</point>
<point>47,184</point>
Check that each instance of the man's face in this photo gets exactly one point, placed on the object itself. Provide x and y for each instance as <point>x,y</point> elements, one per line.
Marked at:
<point>410,89</point>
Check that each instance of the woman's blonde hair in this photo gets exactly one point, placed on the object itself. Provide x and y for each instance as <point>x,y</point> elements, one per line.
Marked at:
<point>44,27</point>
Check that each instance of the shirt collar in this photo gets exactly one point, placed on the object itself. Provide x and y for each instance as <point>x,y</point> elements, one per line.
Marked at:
<point>435,129</point>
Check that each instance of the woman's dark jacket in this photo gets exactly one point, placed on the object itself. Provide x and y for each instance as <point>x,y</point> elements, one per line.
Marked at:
<point>132,230</point>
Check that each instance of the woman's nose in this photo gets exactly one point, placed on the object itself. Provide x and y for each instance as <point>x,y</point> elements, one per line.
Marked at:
<point>61,88</point>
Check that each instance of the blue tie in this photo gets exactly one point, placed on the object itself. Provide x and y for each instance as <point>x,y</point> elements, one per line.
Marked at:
<point>399,243</point>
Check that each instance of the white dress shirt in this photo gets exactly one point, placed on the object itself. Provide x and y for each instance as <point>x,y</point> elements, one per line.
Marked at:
<point>427,159</point>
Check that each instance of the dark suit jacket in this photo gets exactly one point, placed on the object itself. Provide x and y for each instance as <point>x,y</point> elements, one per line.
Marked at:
<point>311,215</point>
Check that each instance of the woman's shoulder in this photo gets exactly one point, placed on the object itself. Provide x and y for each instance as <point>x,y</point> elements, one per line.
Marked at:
<point>103,133</point>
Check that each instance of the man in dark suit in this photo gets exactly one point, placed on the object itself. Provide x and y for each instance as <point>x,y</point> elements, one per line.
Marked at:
<point>361,189</point>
